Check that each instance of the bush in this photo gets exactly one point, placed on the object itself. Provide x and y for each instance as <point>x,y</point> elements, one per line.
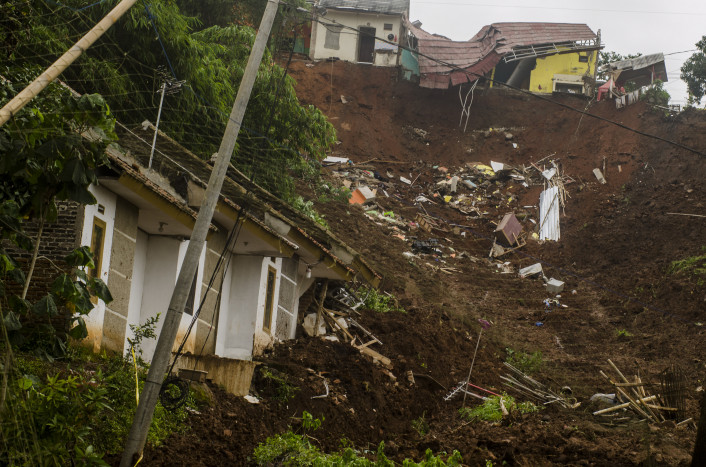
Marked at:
<point>490,410</point>
<point>58,414</point>
<point>380,301</point>
<point>528,363</point>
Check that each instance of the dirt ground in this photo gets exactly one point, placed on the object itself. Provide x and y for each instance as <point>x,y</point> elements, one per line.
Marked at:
<point>620,300</point>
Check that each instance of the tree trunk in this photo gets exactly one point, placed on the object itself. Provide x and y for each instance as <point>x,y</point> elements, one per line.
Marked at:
<point>699,458</point>
<point>34,257</point>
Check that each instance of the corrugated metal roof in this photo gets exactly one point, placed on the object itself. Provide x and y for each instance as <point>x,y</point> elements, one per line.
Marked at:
<point>390,7</point>
<point>637,63</point>
<point>484,50</point>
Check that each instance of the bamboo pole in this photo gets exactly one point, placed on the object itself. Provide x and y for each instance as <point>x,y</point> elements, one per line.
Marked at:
<point>656,416</point>
<point>58,67</point>
<point>621,406</point>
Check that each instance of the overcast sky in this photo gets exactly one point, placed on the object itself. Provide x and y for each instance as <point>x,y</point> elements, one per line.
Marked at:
<point>627,26</point>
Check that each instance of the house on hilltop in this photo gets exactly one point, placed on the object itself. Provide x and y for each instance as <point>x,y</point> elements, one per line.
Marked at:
<point>539,57</point>
<point>352,30</point>
<point>261,257</point>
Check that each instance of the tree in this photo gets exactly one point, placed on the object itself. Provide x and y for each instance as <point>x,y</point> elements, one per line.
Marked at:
<point>693,73</point>
<point>49,151</point>
<point>280,137</point>
<point>655,94</point>
<point>604,58</point>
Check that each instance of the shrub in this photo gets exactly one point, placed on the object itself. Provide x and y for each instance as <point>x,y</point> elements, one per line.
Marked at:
<point>528,363</point>
<point>490,410</point>
<point>380,301</point>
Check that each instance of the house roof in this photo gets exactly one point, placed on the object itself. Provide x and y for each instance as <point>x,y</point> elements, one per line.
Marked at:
<point>389,7</point>
<point>637,63</point>
<point>642,70</point>
<point>179,166</point>
<point>465,60</point>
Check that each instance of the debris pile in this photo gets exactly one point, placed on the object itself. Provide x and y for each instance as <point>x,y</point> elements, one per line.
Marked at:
<point>632,402</point>
<point>333,314</point>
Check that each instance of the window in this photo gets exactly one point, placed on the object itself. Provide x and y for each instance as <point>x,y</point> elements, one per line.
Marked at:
<point>388,26</point>
<point>583,58</point>
<point>333,34</point>
<point>97,241</point>
<point>190,302</point>
<point>269,298</point>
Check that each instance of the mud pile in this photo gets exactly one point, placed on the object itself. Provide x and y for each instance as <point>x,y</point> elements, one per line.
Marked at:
<point>622,298</point>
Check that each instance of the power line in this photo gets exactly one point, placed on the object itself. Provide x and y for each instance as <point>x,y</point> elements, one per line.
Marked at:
<point>524,91</point>
<point>530,7</point>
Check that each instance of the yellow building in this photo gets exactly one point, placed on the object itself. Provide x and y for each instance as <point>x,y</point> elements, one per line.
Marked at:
<point>564,72</point>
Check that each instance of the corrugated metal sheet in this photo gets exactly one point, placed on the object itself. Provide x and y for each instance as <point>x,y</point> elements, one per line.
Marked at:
<point>483,51</point>
<point>637,63</point>
<point>391,7</point>
<point>549,214</point>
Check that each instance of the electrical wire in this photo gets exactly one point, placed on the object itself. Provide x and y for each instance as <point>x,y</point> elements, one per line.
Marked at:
<point>524,91</point>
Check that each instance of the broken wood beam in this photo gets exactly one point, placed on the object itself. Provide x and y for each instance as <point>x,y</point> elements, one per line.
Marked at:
<point>621,406</point>
<point>324,289</point>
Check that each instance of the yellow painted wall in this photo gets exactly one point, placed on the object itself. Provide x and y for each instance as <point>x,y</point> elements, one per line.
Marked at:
<point>565,64</point>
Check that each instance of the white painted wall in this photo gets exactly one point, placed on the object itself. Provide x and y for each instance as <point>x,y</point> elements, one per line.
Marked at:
<point>241,316</point>
<point>159,279</point>
<point>348,41</point>
<point>186,318</point>
<point>137,284</point>
<point>107,199</point>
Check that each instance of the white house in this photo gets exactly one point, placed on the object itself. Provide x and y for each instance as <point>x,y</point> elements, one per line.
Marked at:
<point>260,257</point>
<point>362,31</point>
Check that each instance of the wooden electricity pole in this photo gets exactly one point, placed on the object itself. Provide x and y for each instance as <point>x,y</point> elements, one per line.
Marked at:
<point>160,361</point>
<point>51,73</point>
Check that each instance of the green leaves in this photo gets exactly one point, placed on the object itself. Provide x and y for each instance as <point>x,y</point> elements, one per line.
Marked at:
<point>45,307</point>
<point>693,73</point>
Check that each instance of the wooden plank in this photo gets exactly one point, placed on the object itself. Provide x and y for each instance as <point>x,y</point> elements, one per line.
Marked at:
<point>321,307</point>
<point>386,362</point>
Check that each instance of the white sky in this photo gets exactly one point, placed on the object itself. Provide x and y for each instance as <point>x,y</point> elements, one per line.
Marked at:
<point>627,26</point>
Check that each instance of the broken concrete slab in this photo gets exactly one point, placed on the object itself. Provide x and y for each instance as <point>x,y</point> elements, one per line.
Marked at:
<point>331,160</point>
<point>532,270</point>
<point>453,184</point>
<point>599,176</point>
<point>554,286</point>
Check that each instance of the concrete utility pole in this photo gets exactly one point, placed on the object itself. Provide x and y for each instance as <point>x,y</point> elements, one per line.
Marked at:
<point>160,360</point>
<point>51,73</point>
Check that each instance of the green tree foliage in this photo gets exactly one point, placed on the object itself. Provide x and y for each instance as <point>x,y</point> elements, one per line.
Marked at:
<point>693,73</point>
<point>280,137</point>
<point>55,418</point>
<point>656,94</point>
<point>49,151</point>
<point>604,58</point>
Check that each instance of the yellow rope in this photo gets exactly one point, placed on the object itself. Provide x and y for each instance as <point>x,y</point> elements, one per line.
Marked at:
<point>137,394</point>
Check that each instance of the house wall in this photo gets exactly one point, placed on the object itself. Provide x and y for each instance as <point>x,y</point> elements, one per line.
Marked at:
<point>385,55</point>
<point>107,203</point>
<point>162,264</point>
<point>120,275</point>
<point>137,284</point>
<point>205,331</point>
<point>240,326</point>
<point>542,76</point>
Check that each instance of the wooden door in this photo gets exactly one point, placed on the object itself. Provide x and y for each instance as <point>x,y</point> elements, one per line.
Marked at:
<point>366,44</point>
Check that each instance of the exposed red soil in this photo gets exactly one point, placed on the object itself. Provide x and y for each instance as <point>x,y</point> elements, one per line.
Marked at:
<point>616,246</point>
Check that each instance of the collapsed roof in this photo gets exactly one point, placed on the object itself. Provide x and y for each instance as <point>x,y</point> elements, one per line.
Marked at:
<point>179,177</point>
<point>642,70</point>
<point>390,7</point>
<point>464,61</point>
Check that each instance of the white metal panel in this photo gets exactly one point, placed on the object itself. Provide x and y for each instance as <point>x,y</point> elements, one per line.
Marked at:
<point>549,214</point>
